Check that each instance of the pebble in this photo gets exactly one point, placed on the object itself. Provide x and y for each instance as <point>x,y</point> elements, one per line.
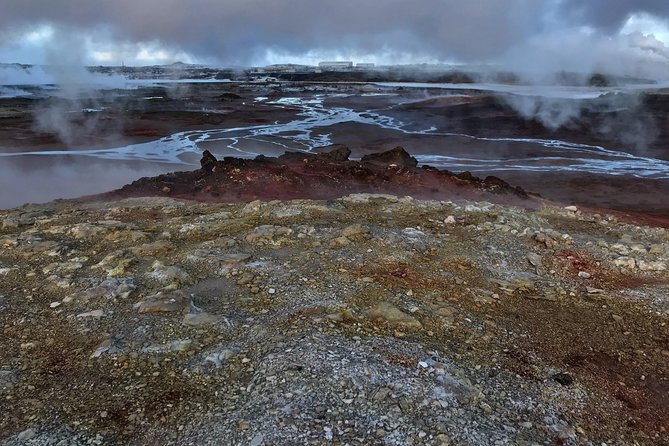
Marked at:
<point>199,319</point>
<point>27,434</point>
<point>94,313</point>
<point>257,440</point>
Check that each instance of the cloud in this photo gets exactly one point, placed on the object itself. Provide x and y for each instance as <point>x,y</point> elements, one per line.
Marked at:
<point>256,32</point>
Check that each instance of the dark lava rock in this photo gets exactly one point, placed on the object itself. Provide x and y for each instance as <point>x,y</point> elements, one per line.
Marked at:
<point>208,161</point>
<point>564,378</point>
<point>337,152</point>
<point>295,157</point>
<point>493,184</point>
<point>397,156</point>
<point>466,176</point>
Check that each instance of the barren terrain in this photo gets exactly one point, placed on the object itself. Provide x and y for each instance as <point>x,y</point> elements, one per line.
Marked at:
<point>365,319</point>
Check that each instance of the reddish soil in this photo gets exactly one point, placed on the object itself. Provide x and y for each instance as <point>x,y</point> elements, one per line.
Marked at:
<point>321,176</point>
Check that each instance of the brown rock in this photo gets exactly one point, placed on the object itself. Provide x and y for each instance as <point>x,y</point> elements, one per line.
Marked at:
<point>208,161</point>
<point>397,156</point>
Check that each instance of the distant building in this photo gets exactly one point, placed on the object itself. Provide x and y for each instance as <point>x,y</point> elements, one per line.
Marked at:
<point>334,66</point>
<point>365,66</point>
<point>286,68</point>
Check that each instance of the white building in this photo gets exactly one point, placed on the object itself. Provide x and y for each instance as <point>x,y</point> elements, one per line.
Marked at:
<point>336,65</point>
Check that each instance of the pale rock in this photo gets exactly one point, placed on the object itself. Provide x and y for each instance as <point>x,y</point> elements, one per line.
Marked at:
<point>619,248</point>
<point>252,208</point>
<point>354,230</point>
<point>639,248</point>
<point>535,260</point>
<point>366,198</point>
<point>167,275</point>
<point>179,345</point>
<point>219,357</point>
<point>153,249</point>
<point>267,234</point>
<point>652,266</point>
<point>393,315</point>
<point>625,262</point>
<point>27,435</point>
<point>202,319</point>
<point>165,302</point>
<point>86,231</point>
<point>94,313</point>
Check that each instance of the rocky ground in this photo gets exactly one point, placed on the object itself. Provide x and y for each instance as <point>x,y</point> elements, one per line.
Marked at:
<point>366,319</point>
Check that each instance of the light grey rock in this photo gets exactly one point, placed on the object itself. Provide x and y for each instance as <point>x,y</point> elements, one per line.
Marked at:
<point>390,313</point>
<point>165,302</point>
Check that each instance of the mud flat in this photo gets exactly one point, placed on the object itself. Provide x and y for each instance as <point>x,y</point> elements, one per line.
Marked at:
<point>164,128</point>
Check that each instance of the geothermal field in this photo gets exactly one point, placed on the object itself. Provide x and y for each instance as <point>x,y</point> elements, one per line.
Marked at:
<point>601,146</point>
<point>412,254</point>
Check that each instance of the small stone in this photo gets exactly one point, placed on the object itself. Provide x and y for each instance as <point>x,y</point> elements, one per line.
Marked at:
<point>486,408</point>
<point>652,266</point>
<point>583,274</point>
<point>199,319</point>
<point>535,260</point>
<point>55,304</point>
<point>257,440</point>
<point>94,313</point>
<point>592,290</point>
<point>271,291</point>
<point>27,435</point>
<point>566,433</point>
<point>617,318</point>
<point>449,220</point>
<point>625,262</point>
<point>354,230</point>
<point>165,303</point>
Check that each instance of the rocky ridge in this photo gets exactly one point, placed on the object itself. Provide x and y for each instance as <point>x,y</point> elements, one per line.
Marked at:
<point>325,174</point>
<point>367,319</point>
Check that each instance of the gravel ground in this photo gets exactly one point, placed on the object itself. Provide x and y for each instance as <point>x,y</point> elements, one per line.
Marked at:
<point>370,319</point>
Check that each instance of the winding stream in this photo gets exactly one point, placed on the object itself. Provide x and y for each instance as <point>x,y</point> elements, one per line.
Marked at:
<point>310,130</point>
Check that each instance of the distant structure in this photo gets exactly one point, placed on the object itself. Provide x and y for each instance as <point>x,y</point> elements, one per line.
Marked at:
<point>365,66</point>
<point>335,66</point>
<point>286,68</point>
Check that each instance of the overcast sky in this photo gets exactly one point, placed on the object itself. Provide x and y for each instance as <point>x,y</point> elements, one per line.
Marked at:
<point>621,36</point>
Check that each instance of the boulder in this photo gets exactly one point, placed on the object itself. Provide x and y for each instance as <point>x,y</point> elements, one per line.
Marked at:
<point>208,161</point>
<point>397,156</point>
<point>336,152</point>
